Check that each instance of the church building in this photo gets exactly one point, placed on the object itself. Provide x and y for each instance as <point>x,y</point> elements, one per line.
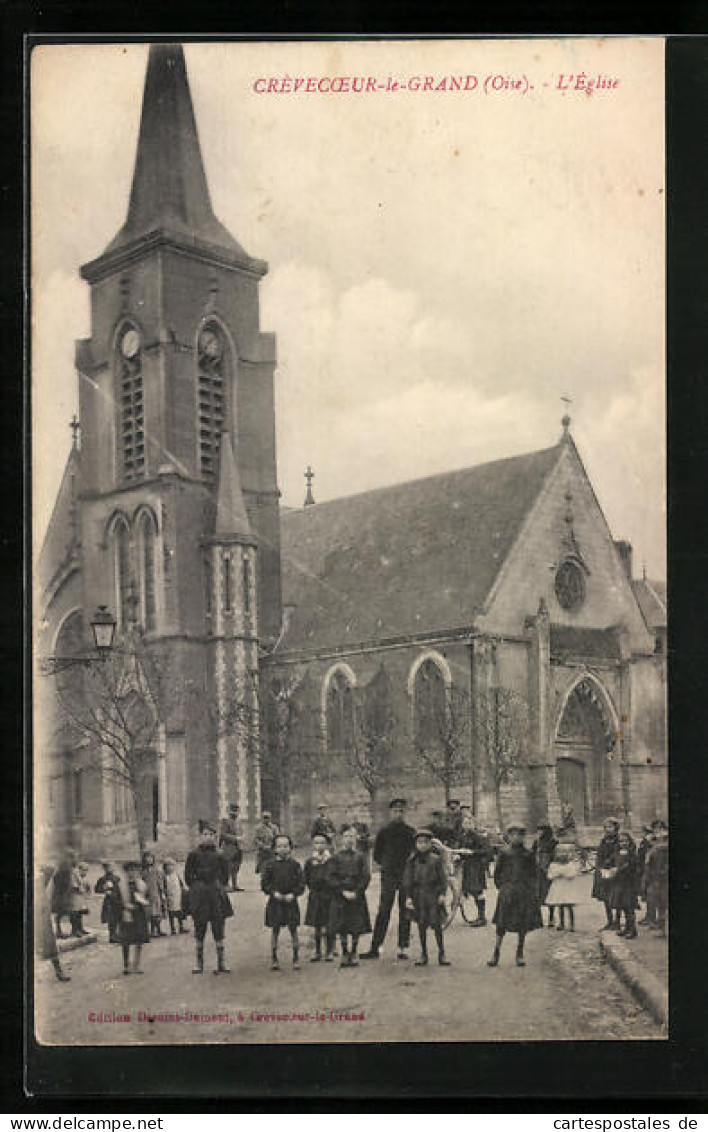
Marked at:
<point>476,633</point>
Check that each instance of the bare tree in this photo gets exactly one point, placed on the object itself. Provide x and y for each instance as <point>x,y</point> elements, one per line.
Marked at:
<point>369,745</point>
<point>290,737</point>
<point>442,737</point>
<point>500,724</point>
<point>110,714</point>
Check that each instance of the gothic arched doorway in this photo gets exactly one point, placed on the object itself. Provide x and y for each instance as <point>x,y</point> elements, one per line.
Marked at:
<point>586,757</point>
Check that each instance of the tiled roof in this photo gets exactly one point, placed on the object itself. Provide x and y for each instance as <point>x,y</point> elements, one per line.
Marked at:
<point>651,597</point>
<point>413,558</point>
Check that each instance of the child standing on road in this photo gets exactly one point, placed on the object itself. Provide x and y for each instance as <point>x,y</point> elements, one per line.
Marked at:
<point>518,908</point>
<point>564,889</point>
<point>282,881</point>
<point>80,888</point>
<point>316,874</point>
<point>425,885</point>
<point>174,894</point>
<point>625,887</point>
<point>349,878</point>
<point>134,926</point>
<point>108,885</point>
<point>154,879</point>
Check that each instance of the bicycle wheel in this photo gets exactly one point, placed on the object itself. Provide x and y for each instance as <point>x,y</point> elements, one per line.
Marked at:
<point>452,900</point>
<point>468,909</point>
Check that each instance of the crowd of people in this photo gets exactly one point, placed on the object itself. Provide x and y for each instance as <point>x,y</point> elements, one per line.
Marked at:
<point>415,866</point>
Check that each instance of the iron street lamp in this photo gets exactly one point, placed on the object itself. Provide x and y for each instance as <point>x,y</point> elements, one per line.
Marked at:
<point>103,627</point>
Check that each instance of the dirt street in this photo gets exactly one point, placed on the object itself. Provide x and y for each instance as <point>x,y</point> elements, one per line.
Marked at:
<point>566,991</point>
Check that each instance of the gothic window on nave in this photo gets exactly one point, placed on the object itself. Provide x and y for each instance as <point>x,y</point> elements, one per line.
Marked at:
<point>339,715</point>
<point>121,570</point>
<point>429,704</point>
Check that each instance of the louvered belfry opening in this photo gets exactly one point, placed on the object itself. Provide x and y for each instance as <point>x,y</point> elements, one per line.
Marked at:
<point>211,352</point>
<point>132,417</point>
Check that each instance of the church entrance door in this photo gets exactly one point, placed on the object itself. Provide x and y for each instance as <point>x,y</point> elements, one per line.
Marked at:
<point>572,786</point>
<point>587,767</point>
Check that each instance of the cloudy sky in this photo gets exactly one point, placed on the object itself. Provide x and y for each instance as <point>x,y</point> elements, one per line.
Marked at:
<point>444,266</point>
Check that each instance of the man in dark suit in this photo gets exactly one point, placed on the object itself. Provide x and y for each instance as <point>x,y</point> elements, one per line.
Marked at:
<point>392,848</point>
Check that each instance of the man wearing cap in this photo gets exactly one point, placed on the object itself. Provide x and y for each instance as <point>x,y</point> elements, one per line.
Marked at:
<point>263,838</point>
<point>323,826</point>
<point>230,835</point>
<point>206,874</point>
<point>392,848</point>
<point>606,860</point>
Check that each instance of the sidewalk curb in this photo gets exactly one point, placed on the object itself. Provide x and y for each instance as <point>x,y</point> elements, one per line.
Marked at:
<point>645,986</point>
<point>72,942</point>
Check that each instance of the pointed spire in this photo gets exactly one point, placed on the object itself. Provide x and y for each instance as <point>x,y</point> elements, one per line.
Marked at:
<point>170,190</point>
<point>231,517</point>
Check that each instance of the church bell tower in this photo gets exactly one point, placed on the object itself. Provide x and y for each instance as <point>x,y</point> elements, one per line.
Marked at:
<point>178,443</point>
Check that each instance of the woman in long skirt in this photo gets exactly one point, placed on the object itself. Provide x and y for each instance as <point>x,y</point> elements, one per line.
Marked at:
<point>518,909</point>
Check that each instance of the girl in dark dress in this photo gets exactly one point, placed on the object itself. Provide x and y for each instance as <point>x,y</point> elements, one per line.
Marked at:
<point>476,853</point>
<point>282,881</point>
<point>518,909</point>
<point>154,878</point>
<point>349,878</point>
<point>316,874</point>
<point>605,866</point>
<point>108,885</point>
<point>543,849</point>
<point>625,887</point>
<point>133,931</point>
<point>424,885</point>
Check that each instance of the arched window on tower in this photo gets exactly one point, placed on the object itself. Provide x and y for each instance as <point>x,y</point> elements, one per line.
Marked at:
<point>147,538</point>
<point>131,439</point>
<point>212,394</point>
<point>121,571</point>
<point>339,715</point>
<point>429,705</point>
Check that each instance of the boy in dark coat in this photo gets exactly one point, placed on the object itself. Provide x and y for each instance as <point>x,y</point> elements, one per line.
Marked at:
<point>349,878</point>
<point>282,881</point>
<point>425,884</point>
<point>392,848</point>
<point>605,866</point>
<point>625,887</point>
<point>109,886</point>
<point>518,909</point>
<point>543,849</point>
<point>316,875</point>
<point>656,877</point>
<point>323,825</point>
<point>133,930</point>
<point>476,853</point>
<point>206,874</point>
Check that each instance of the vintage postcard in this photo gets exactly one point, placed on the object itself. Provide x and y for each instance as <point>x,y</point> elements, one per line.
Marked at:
<point>349,541</point>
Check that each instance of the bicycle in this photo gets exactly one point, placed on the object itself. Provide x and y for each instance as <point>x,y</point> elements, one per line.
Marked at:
<point>455,896</point>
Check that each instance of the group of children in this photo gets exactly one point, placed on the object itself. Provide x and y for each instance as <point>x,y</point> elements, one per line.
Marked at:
<point>164,896</point>
<point>623,873</point>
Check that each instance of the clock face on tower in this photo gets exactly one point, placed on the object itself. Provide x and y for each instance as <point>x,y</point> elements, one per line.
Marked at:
<point>570,585</point>
<point>130,343</point>
<point>209,344</point>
